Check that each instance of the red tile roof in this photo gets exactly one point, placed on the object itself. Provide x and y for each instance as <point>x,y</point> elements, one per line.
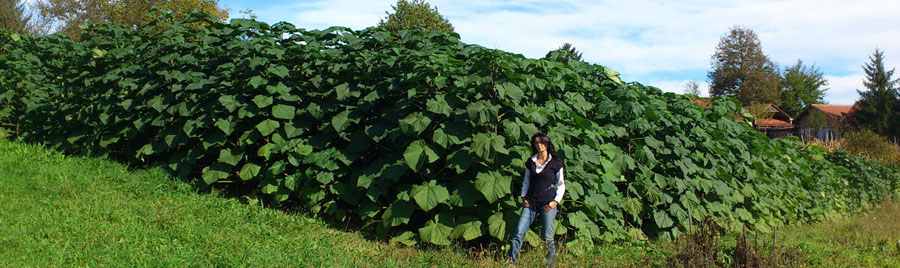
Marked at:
<point>703,102</point>
<point>777,113</point>
<point>772,123</point>
<point>834,110</point>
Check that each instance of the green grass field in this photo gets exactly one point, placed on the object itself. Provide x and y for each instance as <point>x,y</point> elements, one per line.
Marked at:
<point>61,211</point>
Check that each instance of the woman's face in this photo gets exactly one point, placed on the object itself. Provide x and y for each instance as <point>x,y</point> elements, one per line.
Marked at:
<point>539,145</point>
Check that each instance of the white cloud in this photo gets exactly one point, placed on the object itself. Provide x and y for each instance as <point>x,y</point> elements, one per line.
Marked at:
<point>842,89</point>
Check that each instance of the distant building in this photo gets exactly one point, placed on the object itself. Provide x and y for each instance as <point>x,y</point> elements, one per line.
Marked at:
<point>779,124</point>
<point>775,123</point>
<point>823,121</point>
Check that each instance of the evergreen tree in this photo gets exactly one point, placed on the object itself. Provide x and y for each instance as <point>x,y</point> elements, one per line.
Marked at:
<point>415,13</point>
<point>565,53</point>
<point>801,86</point>
<point>572,53</point>
<point>741,70</point>
<point>879,106</point>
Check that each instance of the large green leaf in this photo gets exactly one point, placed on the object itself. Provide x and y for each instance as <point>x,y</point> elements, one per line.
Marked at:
<point>267,126</point>
<point>278,70</point>
<point>498,143</point>
<point>429,195</point>
<point>278,89</point>
<point>435,233</point>
<point>342,91</point>
<point>484,145</point>
<point>467,231</point>
<point>461,160</point>
<point>416,153</point>
<point>416,122</point>
<point>511,92</point>
<point>497,226</point>
<point>482,112</point>
<point>743,214</point>
<point>457,133</point>
<point>231,156</point>
<point>481,145</point>
<point>440,138</point>
<point>397,213</point>
<point>229,102</point>
<point>214,173</point>
<point>268,186</point>
<point>281,111</point>
<point>597,201</point>
<point>465,195</point>
<point>439,105</point>
<point>157,103</point>
<point>407,238</point>
<point>265,151</point>
<point>226,126</point>
<point>325,177</point>
<point>257,81</point>
<point>579,220</point>
<point>633,206</point>
<point>249,171</point>
<point>339,121</point>
<point>263,101</point>
<point>492,185</point>
<point>662,219</point>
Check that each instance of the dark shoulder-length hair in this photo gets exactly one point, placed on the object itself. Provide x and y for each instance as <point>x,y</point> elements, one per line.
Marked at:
<point>546,140</point>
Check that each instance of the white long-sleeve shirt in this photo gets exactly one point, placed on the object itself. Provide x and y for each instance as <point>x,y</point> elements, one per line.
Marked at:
<point>560,184</point>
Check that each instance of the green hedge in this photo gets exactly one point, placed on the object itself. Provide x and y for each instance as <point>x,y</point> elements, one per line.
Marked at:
<point>414,135</point>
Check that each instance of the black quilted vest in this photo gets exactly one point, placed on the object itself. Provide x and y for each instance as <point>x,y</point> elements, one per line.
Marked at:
<point>542,187</point>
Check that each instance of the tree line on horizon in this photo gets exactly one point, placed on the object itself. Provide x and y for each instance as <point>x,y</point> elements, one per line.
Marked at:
<point>739,68</point>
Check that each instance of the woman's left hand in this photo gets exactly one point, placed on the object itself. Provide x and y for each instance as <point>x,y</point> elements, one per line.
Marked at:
<point>550,206</point>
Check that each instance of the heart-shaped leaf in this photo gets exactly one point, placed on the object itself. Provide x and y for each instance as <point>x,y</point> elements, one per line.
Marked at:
<point>429,195</point>
<point>492,185</point>
<point>435,233</point>
<point>267,126</point>
<point>281,111</point>
<point>416,153</point>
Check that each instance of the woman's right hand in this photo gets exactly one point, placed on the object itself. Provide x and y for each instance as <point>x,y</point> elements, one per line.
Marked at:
<point>525,202</point>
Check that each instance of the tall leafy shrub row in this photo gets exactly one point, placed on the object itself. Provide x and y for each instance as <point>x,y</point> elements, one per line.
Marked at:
<point>415,135</point>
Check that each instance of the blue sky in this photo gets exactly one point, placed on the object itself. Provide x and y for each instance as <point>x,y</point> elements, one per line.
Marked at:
<point>659,43</point>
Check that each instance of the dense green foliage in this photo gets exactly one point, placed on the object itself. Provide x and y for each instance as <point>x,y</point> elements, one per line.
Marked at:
<point>414,135</point>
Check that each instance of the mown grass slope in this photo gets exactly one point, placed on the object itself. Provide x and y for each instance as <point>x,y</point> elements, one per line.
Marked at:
<point>72,211</point>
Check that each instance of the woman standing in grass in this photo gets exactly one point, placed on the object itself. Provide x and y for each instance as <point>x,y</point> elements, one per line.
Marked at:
<point>542,190</point>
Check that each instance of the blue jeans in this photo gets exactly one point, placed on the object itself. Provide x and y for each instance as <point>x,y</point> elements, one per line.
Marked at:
<point>525,218</point>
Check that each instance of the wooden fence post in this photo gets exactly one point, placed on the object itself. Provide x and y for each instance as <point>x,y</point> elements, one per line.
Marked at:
<point>774,236</point>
